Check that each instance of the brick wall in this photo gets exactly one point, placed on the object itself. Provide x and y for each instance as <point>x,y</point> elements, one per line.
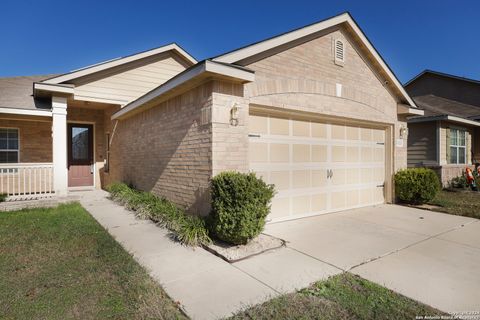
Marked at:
<point>35,138</point>
<point>304,78</point>
<point>167,149</point>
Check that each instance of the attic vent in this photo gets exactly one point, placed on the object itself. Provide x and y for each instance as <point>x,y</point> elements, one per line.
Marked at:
<point>339,48</point>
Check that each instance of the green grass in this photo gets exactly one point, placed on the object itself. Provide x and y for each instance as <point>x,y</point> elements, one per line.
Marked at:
<point>344,296</point>
<point>462,203</point>
<point>59,263</point>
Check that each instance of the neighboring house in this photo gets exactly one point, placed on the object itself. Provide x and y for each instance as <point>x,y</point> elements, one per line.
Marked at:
<point>447,137</point>
<point>316,111</point>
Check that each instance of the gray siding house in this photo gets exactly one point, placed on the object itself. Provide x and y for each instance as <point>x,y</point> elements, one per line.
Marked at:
<point>447,137</point>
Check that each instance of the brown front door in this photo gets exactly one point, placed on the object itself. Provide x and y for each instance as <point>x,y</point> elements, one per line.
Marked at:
<point>80,155</point>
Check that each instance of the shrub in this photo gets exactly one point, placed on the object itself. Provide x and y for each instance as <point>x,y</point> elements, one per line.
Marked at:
<point>458,182</point>
<point>240,204</point>
<point>416,185</point>
<point>3,197</point>
<point>189,230</point>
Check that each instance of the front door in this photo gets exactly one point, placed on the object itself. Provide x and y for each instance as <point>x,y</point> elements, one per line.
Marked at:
<point>80,155</point>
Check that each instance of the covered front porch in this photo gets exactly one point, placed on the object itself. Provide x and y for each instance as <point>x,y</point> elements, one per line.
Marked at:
<point>51,152</point>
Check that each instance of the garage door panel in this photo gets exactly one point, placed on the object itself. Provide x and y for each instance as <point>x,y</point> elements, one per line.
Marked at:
<point>280,208</point>
<point>338,153</point>
<point>301,179</point>
<point>279,126</point>
<point>319,153</point>
<point>319,202</point>
<point>301,153</point>
<point>319,130</point>
<point>279,152</point>
<point>319,178</point>
<point>258,124</point>
<point>317,167</point>
<point>258,152</point>
<point>281,179</point>
<point>301,128</point>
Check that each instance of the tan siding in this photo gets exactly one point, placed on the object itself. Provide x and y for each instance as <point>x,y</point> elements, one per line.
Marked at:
<point>132,83</point>
<point>422,144</point>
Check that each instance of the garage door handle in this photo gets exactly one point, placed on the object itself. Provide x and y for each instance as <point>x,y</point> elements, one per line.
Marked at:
<point>329,173</point>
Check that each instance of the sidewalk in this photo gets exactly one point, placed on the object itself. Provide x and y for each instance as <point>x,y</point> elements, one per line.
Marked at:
<point>206,286</point>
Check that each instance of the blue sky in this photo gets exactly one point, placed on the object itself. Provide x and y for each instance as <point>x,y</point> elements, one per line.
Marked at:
<point>44,37</point>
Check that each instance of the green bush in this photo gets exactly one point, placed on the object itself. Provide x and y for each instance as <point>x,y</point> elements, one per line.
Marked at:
<point>240,204</point>
<point>188,229</point>
<point>459,182</point>
<point>416,185</point>
<point>3,197</point>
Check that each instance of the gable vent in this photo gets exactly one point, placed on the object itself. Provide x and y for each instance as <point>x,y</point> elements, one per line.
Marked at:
<point>339,48</point>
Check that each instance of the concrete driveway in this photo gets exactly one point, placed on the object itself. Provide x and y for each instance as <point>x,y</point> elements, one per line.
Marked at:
<point>430,257</point>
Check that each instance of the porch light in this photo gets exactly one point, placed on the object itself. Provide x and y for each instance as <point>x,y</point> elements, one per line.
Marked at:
<point>403,132</point>
<point>234,115</point>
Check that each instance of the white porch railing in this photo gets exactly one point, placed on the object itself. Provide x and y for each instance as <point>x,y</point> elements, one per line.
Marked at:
<point>21,181</point>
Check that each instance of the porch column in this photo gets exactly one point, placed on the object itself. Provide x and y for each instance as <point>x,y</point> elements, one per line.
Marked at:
<point>59,140</point>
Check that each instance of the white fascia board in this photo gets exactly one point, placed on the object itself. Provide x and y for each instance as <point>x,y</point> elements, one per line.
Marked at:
<point>55,88</point>
<point>26,112</point>
<point>407,110</point>
<point>465,121</point>
<point>206,66</point>
<point>445,118</point>
<point>254,49</point>
<point>225,70</point>
<point>259,47</point>
<point>117,62</point>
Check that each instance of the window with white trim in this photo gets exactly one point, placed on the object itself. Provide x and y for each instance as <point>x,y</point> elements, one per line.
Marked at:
<point>339,51</point>
<point>9,145</point>
<point>458,146</point>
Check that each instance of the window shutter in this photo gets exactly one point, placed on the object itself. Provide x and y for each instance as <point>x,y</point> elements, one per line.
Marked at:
<point>448,144</point>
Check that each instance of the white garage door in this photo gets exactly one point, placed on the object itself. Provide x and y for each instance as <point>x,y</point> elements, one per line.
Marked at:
<point>317,167</point>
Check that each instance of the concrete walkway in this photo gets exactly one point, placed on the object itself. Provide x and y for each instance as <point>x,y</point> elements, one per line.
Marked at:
<point>206,286</point>
<point>431,257</point>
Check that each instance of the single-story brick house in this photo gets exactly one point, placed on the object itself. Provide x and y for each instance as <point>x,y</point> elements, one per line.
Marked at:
<point>316,111</point>
<point>447,137</point>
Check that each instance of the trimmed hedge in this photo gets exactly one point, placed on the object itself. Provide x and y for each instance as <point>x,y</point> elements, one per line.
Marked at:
<point>188,229</point>
<point>416,185</point>
<point>240,204</point>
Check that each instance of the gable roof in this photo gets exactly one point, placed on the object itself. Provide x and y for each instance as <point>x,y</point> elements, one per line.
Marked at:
<point>16,93</point>
<point>239,55</point>
<point>434,105</point>
<point>441,74</point>
<point>192,76</point>
<point>118,62</point>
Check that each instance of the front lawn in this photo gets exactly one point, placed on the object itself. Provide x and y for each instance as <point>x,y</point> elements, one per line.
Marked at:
<point>344,296</point>
<point>462,203</point>
<point>59,263</point>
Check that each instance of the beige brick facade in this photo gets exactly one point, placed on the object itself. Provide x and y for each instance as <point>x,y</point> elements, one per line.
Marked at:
<point>174,148</point>
<point>35,138</point>
<point>168,149</point>
<point>305,78</point>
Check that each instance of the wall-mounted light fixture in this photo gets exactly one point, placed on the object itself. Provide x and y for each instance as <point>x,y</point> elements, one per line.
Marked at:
<point>403,132</point>
<point>234,115</point>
